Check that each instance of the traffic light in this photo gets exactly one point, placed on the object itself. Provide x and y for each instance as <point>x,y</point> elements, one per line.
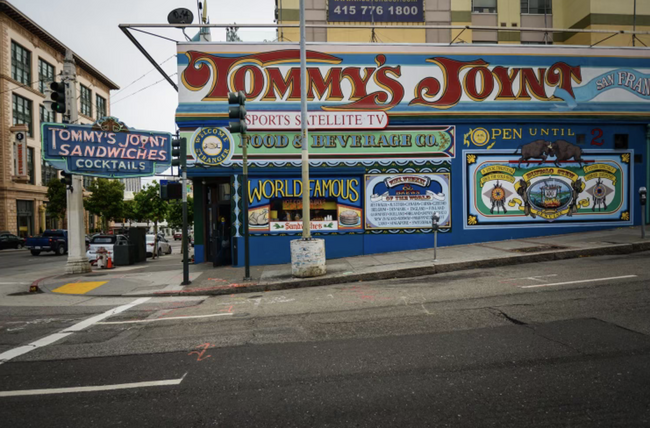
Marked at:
<point>179,150</point>
<point>67,180</point>
<point>58,97</point>
<point>237,111</point>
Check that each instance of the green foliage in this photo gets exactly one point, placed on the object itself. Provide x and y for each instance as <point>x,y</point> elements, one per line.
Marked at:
<point>149,206</point>
<point>175,213</point>
<point>130,212</point>
<point>56,195</point>
<point>106,200</point>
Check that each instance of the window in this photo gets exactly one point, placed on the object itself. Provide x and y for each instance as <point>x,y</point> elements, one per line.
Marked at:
<point>536,6</point>
<point>48,173</point>
<point>86,103</point>
<point>484,6</point>
<point>22,112</point>
<point>47,115</point>
<point>45,75</point>
<point>30,165</point>
<point>21,63</point>
<point>101,106</point>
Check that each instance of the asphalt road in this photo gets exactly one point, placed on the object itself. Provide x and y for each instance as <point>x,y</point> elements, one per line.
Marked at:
<point>550,344</point>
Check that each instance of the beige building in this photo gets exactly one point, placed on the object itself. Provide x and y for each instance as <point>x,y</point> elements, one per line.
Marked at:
<point>506,14</point>
<point>30,59</point>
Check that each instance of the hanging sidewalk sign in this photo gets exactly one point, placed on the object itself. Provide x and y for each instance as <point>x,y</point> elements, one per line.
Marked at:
<point>106,149</point>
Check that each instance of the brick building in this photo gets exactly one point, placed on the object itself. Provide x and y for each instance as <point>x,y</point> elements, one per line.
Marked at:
<point>30,59</point>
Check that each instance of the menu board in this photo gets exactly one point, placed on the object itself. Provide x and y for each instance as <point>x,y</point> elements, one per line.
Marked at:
<point>407,201</point>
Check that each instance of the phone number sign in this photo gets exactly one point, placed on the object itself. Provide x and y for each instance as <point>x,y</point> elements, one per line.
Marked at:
<point>375,10</point>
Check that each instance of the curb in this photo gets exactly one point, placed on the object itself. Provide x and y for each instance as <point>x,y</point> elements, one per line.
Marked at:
<point>616,249</point>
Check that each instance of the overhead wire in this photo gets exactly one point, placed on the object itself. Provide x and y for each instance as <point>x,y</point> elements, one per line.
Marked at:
<point>140,90</point>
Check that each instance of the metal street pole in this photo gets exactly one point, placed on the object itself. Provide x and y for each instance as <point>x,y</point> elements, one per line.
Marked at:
<point>247,260</point>
<point>634,25</point>
<point>306,231</point>
<point>77,261</point>
<point>186,266</point>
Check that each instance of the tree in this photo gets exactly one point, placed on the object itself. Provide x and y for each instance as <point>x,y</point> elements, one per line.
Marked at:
<point>57,199</point>
<point>106,200</point>
<point>231,34</point>
<point>175,213</point>
<point>149,207</point>
<point>130,211</point>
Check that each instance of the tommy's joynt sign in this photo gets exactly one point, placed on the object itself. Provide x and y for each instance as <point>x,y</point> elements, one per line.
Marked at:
<point>105,149</point>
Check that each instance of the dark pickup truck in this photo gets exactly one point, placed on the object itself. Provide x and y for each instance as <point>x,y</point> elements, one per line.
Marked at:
<point>50,240</point>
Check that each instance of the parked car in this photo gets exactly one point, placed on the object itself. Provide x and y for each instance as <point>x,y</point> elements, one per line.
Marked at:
<point>8,240</point>
<point>163,246</point>
<point>178,236</point>
<point>51,240</point>
<point>103,241</point>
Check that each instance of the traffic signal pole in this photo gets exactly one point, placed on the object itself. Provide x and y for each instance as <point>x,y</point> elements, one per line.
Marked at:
<point>186,261</point>
<point>77,261</point>
<point>237,111</point>
<point>179,159</point>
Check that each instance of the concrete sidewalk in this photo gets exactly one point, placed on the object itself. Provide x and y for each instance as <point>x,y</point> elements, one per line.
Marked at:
<point>164,276</point>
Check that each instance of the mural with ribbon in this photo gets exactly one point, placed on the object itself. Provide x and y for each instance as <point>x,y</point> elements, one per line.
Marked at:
<point>506,189</point>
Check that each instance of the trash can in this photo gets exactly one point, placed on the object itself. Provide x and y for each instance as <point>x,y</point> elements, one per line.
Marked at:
<point>122,253</point>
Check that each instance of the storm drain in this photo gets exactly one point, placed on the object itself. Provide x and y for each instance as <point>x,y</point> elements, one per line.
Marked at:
<point>538,249</point>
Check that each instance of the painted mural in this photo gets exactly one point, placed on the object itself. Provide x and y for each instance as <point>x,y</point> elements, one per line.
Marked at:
<point>408,83</point>
<point>546,182</point>
<point>407,201</point>
<point>275,205</point>
<point>422,144</point>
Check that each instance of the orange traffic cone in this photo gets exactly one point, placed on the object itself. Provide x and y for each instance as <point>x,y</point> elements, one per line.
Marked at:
<point>109,263</point>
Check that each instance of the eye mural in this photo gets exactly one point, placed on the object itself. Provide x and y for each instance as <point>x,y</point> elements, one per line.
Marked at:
<point>547,187</point>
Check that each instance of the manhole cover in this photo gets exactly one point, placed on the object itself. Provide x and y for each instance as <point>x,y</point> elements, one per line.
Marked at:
<point>538,249</point>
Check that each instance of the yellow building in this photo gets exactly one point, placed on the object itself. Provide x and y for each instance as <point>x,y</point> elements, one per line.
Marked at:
<point>31,58</point>
<point>510,14</point>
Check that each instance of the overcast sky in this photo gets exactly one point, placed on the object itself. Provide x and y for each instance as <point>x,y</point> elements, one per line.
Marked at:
<point>90,29</point>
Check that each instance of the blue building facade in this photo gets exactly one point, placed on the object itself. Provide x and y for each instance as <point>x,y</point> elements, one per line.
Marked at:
<point>501,142</point>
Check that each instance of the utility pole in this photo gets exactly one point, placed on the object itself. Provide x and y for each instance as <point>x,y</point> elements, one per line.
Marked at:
<point>307,254</point>
<point>77,261</point>
<point>306,228</point>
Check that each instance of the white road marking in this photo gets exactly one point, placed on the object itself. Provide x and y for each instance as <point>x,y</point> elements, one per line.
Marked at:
<point>165,319</point>
<point>532,278</point>
<point>578,282</point>
<point>47,340</point>
<point>49,391</point>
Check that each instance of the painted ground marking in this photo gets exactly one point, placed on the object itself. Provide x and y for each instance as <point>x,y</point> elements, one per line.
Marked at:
<point>133,385</point>
<point>79,287</point>
<point>47,340</point>
<point>166,319</point>
<point>200,354</point>
<point>578,282</point>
